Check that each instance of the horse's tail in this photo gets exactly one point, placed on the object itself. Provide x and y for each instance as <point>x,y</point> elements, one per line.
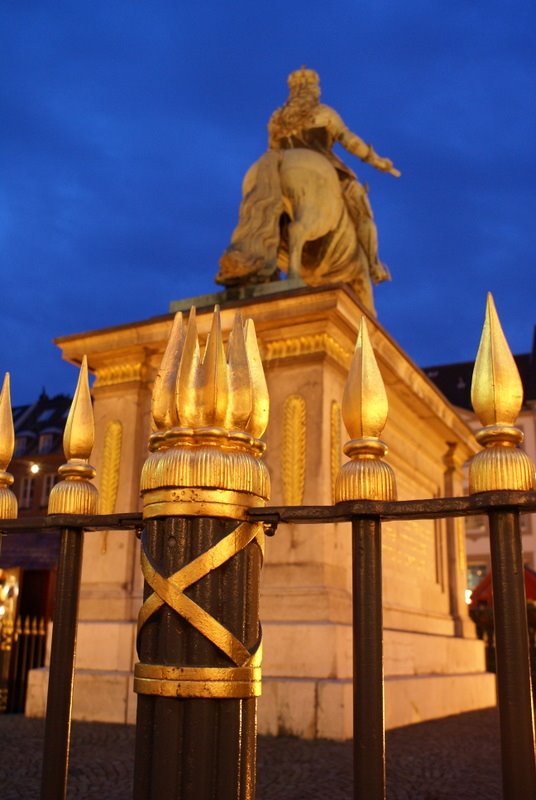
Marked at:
<point>255,240</point>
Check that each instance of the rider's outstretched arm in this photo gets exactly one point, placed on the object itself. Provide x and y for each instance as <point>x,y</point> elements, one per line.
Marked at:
<point>355,145</point>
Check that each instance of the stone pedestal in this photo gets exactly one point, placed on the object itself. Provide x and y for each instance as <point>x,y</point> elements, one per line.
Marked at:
<point>432,665</point>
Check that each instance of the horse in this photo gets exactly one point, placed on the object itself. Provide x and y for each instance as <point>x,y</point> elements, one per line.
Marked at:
<point>293,217</point>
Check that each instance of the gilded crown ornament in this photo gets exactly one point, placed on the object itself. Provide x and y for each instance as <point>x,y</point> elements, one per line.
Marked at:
<point>497,397</point>
<point>364,411</point>
<point>209,410</point>
<point>75,494</point>
<point>8,501</point>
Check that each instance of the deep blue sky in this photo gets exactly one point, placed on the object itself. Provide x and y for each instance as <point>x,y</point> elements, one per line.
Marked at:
<point>126,129</point>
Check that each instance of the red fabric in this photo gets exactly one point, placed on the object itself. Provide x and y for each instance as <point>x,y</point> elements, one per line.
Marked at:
<point>483,593</point>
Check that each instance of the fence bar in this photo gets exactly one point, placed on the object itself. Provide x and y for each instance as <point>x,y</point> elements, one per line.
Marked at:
<point>199,637</point>
<point>62,660</point>
<point>512,657</point>
<point>369,736</point>
<point>196,748</point>
<point>72,495</point>
<point>366,477</point>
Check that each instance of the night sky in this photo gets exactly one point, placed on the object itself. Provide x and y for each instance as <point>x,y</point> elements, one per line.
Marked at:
<point>126,129</point>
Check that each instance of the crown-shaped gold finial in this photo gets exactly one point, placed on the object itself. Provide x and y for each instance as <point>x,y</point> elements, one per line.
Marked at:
<point>364,411</point>
<point>8,501</point>
<point>209,425</point>
<point>75,494</point>
<point>497,398</point>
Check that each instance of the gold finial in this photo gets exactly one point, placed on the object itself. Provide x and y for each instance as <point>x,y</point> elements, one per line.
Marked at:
<point>497,397</point>
<point>496,389</point>
<point>164,406</point>
<point>364,411</point>
<point>213,436</point>
<point>260,412</point>
<point>79,435</point>
<point>75,494</point>
<point>8,501</point>
<point>187,376</point>
<point>240,406</point>
<point>364,401</point>
<point>213,386</point>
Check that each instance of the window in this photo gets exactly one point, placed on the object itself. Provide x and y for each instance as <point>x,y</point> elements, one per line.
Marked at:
<point>49,481</point>
<point>475,573</point>
<point>46,414</point>
<point>20,445</point>
<point>46,442</point>
<point>26,492</point>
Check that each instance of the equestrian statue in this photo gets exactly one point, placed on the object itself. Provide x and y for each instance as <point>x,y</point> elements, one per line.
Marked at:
<point>303,210</point>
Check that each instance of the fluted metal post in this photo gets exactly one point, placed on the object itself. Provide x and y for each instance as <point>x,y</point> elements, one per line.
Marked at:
<point>199,645</point>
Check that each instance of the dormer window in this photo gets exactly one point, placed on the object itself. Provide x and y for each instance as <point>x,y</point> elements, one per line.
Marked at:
<point>46,442</point>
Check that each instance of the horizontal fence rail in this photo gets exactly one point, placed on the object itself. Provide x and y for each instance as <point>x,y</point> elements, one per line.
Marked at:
<point>387,511</point>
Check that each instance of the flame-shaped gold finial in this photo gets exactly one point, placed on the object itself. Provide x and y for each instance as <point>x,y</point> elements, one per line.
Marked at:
<point>164,406</point>
<point>213,383</point>
<point>364,410</point>
<point>497,397</point>
<point>75,494</point>
<point>260,412</point>
<point>211,440</point>
<point>8,501</point>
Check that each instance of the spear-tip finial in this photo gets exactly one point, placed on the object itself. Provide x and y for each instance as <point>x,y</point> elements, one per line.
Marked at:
<point>497,398</point>
<point>364,410</point>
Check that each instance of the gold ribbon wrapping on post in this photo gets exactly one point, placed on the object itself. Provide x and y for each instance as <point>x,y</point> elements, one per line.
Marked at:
<point>243,680</point>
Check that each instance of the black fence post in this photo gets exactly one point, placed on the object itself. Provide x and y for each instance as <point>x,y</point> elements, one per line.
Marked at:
<point>512,655</point>
<point>72,495</point>
<point>199,640</point>
<point>497,396</point>
<point>366,477</point>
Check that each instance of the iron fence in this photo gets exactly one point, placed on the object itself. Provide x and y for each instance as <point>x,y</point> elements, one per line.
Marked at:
<point>202,532</point>
<point>502,509</point>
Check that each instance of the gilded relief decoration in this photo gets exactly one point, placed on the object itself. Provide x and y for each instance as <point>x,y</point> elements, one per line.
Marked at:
<point>307,345</point>
<point>335,444</point>
<point>118,373</point>
<point>293,450</point>
<point>109,483</point>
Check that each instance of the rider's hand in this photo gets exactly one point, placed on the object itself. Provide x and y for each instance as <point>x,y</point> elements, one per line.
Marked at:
<point>386,165</point>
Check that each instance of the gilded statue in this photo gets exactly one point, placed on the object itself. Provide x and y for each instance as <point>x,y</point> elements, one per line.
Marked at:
<point>303,209</point>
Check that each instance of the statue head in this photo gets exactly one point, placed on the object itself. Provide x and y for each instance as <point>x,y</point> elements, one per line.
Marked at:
<point>305,81</point>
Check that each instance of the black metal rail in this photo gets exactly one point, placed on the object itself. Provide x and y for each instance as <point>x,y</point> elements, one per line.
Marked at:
<point>513,668</point>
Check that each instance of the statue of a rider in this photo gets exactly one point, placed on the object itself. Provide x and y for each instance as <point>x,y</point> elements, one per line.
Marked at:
<point>305,123</point>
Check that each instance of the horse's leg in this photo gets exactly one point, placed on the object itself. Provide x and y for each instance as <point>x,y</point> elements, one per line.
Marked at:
<point>297,237</point>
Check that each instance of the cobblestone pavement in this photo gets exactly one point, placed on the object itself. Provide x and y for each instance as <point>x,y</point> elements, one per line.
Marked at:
<point>449,759</point>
